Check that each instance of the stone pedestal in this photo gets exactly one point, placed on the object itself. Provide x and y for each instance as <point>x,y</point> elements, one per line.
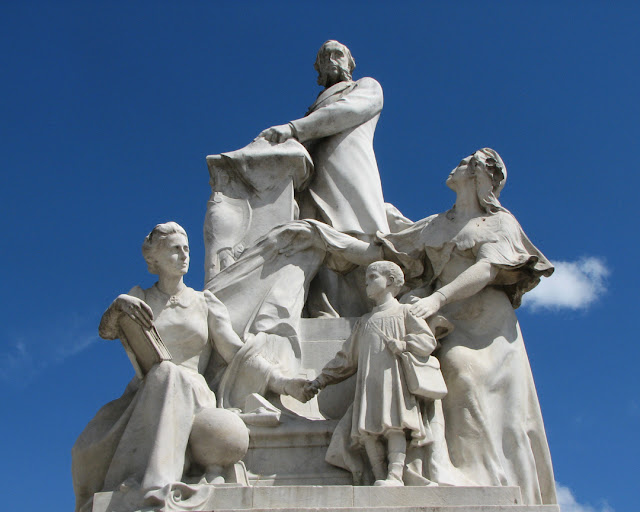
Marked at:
<point>286,470</point>
<point>293,454</point>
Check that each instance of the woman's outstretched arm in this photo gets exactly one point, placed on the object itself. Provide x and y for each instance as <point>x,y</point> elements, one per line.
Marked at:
<point>468,283</point>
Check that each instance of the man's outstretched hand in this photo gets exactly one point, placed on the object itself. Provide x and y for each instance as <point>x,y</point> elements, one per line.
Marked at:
<point>280,133</point>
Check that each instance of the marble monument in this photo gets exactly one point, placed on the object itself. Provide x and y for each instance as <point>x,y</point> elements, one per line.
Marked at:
<point>339,356</point>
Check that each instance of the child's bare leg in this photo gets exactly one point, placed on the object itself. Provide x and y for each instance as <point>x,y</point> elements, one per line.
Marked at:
<point>376,453</point>
<point>397,453</point>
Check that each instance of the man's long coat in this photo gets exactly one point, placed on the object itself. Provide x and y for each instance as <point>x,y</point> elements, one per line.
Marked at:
<point>338,132</point>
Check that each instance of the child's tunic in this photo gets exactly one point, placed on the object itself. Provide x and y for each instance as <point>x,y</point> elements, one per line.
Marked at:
<point>382,399</point>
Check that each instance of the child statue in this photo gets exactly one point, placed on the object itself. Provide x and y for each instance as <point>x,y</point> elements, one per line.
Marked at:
<point>386,417</point>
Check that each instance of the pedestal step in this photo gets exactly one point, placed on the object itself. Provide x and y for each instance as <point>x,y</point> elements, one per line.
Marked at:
<point>292,455</point>
<point>341,498</point>
<point>462,508</point>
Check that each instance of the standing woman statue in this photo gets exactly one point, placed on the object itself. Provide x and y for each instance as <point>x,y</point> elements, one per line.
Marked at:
<point>141,439</point>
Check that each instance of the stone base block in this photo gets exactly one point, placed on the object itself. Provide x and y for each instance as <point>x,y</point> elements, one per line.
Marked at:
<point>293,454</point>
<point>341,498</point>
<point>466,508</point>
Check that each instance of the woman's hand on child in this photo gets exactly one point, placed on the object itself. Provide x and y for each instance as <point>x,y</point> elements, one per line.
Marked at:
<point>424,308</point>
<point>414,295</point>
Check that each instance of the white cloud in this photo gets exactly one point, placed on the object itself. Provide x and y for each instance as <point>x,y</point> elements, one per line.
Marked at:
<point>573,285</point>
<point>568,503</point>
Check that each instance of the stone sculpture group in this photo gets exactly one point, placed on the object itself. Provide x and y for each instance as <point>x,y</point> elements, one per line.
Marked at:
<point>299,239</point>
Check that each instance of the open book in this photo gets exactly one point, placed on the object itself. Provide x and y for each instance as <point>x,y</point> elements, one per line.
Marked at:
<point>143,346</point>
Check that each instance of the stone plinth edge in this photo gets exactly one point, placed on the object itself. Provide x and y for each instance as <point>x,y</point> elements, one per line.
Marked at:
<point>345,498</point>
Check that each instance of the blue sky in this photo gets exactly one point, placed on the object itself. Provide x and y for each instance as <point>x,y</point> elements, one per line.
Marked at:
<point>108,111</point>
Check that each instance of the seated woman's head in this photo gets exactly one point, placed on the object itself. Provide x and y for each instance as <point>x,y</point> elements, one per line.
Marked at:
<point>166,249</point>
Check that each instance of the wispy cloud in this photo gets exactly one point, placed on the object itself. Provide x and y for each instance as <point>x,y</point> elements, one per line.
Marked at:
<point>16,360</point>
<point>29,351</point>
<point>74,346</point>
<point>573,285</point>
<point>568,502</point>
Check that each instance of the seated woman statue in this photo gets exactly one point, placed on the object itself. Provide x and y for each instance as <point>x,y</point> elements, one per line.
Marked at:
<point>472,264</point>
<point>142,439</point>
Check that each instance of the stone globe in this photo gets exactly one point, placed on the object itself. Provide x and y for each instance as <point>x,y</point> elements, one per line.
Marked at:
<point>218,438</point>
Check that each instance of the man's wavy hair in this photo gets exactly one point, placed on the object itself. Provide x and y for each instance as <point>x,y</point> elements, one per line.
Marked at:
<point>345,73</point>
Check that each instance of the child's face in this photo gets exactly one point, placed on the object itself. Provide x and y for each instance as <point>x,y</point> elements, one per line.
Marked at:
<point>376,284</point>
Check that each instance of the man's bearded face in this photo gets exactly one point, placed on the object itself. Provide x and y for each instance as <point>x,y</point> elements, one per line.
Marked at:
<point>333,65</point>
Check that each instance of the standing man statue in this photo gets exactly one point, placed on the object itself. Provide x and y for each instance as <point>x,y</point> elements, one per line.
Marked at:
<point>338,131</point>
